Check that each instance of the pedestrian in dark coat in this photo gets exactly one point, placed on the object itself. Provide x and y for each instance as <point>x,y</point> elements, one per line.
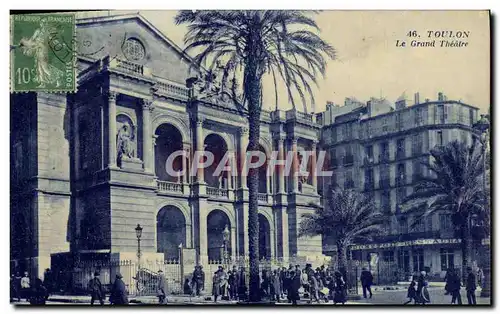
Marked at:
<point>95,289</point>
<point>447,279</point>
<point>340,293</point>
<point>283,281</point>
<point>161,288</point>
<point>294,287</point>
<point>38,293</point>
<point>197,280</point>
<point>242,285</point>
<point>366,282</point>
<point>412,291</point>
<point>422,293</point>
<point>187,287</point>
<point>14,289</point>
<point>471,286</point>
<point>231,281</point>
<point>454,284</point>
<point>48,281</point>
<point>216,286</point>
<point>118,294</point>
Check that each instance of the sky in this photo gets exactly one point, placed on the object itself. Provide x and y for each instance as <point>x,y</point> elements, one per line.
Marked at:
<point>369,64</point>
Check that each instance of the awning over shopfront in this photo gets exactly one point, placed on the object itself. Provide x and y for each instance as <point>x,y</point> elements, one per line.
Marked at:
<point>404,243</point>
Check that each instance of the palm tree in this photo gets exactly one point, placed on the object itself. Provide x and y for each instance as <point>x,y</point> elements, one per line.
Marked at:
<point>348,217</point>
<point>453,185</point>
<point>250,44</point>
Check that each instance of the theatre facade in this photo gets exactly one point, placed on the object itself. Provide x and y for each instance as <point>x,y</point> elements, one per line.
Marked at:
<point>88,167</point>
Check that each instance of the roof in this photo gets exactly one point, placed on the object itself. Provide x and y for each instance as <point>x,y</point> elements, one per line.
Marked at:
<point>137,16</point>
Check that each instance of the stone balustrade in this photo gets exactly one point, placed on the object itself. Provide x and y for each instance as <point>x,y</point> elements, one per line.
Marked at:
<point>216,192</point>
<point>165,186</point>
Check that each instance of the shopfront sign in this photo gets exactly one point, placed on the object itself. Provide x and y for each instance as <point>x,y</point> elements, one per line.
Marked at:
<point>404,243</point>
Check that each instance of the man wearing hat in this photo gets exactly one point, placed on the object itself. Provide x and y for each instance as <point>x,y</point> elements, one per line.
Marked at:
<point>118,294</point>
<point>162,287</point>
<point>95,289</point>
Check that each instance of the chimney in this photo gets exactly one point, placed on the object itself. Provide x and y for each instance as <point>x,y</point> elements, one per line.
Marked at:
<point>417,98</point>
<point>440,96</point>
<point>427,100</point>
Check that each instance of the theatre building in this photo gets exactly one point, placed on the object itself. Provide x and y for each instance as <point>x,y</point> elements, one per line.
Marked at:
<point>88,167</point>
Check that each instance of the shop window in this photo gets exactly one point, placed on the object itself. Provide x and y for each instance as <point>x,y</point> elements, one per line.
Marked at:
<point>404,260</point>
<point>447,259</point>
<point>418,260</point>
<point>388,256</point>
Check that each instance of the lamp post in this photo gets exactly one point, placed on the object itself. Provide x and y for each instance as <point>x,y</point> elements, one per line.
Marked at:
<point>138,233</point>
<point>225,235</point>
<point>482,126</point>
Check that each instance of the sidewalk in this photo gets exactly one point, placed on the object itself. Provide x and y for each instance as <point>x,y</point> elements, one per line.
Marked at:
<point>178,299</point>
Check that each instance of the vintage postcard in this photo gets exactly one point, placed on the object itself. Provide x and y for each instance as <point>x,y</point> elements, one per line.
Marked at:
<point>288,158</point>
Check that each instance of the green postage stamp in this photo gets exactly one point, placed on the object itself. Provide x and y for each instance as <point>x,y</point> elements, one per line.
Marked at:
<point>43,53</point>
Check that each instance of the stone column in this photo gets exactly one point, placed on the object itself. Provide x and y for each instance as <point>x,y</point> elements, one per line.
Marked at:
<point>243,152</point>
<point>281,174</point>
<point>147,139</point>
<point>314,175</point>
<point>185,161</point>
<point>112,129</point>
<point>230,171</point>
<point>295,167</point>
<point>200,175</point>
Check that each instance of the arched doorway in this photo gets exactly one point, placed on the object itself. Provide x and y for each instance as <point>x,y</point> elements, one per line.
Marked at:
<point>170,231</point>
<point>264,238</point>
<point>217,224</point>
<point>218,147</point>
<point>168,141</point>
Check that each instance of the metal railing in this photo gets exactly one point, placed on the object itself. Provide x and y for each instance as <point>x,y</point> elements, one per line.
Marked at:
<point>165,186</point>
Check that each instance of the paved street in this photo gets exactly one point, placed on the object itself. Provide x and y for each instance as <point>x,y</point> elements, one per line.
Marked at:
<point>379,297</point>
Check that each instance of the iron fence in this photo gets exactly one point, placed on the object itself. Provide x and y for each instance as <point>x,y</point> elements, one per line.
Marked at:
<point>139,279</point>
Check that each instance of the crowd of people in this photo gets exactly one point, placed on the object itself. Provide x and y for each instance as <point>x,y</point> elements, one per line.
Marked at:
<point>279,285</point>
<point>33,292</point>
<point>454,284</point>
<point>418,293</point>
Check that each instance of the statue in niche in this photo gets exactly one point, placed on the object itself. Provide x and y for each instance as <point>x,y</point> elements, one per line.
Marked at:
<point>303,175</point>
<point>125,141</point>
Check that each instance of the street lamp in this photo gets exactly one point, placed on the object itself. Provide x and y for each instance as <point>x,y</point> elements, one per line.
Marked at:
<point>482,126</point>
<point>138,233</point>
<point>225,235</point>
